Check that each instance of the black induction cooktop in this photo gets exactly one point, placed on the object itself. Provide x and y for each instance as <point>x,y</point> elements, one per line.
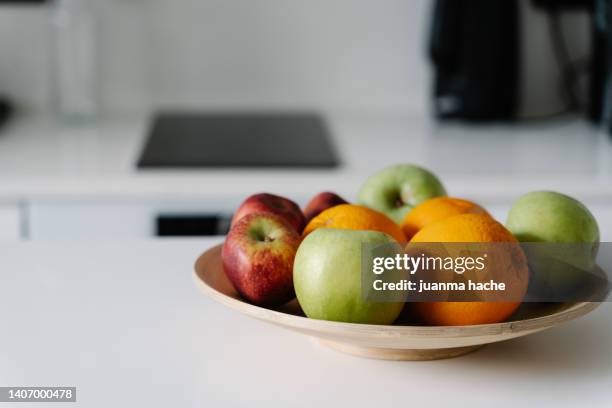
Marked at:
<point>231,140</point>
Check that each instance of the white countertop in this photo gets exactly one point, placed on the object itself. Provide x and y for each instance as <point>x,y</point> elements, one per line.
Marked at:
<point>40,160</point>
<point>125,323</point>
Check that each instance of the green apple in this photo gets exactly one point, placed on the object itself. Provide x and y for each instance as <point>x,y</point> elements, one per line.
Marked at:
<point>395,190</point>
<point>327,277</point>
<point>550,217</point>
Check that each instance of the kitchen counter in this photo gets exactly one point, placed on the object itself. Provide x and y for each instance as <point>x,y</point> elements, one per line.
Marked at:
<point>42,160</point>
<point>126,324</point>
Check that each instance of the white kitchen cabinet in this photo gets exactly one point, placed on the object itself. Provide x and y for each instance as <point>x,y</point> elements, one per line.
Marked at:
<point>109,219</point>
<point>66,220</point>
<point>10,222</point>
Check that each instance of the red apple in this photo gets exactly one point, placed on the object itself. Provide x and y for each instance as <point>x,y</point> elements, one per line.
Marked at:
<point>271,204</point>
<point>258,258</point>
<point>322,202</point>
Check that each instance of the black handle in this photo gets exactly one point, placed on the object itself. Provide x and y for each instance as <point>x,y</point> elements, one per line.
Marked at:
<point>192,225</point>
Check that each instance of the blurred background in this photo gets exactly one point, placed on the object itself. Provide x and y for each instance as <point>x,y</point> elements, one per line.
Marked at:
<point>145,118</point>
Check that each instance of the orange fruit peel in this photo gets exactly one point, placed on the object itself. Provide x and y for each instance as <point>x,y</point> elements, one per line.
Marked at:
<point>434,210</point>
<point>355,217</point>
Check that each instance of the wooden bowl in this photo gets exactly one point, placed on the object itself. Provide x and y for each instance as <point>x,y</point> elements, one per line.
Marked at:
<point>396,342</point>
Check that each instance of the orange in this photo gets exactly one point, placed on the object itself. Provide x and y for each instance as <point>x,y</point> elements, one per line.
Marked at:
<point>356,217</point>
<point>436,209</point>
<point>465,228</point>
<point>473,228</point>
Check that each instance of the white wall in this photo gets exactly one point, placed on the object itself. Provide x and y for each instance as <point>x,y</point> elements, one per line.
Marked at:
<point>290,53</point>
<point>273,52</point>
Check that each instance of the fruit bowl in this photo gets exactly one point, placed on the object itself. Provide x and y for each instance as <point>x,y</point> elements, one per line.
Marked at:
<point>397,342</point>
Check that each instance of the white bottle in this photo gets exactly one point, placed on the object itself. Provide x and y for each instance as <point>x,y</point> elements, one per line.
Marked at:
<point>76,94</point>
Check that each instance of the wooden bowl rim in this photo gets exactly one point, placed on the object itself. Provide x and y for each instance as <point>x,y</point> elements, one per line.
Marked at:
<point>532,324</point>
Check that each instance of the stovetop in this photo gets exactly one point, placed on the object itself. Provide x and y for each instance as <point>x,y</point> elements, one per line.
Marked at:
<point>233,140</point>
